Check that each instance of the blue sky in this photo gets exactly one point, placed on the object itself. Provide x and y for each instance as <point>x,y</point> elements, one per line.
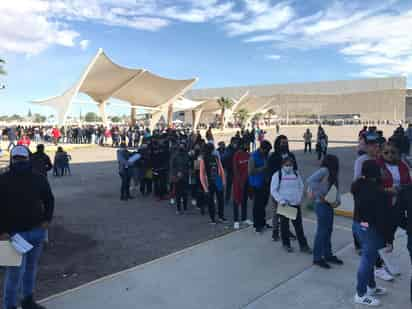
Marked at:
<point>47,43</point>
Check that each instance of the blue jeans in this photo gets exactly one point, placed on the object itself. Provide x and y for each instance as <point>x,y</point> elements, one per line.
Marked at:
<point>23,278</point>
<point>371,241</point>
<point>323,246</point>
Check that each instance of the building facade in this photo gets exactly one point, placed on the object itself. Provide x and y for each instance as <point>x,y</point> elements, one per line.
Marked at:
<point>370,99</point>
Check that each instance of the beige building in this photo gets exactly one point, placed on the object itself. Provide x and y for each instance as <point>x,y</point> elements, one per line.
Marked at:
<point>370,99</point>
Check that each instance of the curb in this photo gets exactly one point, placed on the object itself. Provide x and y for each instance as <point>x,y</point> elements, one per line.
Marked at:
<point>344,213</point>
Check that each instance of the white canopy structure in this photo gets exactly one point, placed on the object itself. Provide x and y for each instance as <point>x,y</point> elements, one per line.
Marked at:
<point>103,79</point>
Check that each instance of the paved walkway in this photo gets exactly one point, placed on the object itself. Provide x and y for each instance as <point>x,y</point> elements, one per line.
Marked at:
<point>240,270</point>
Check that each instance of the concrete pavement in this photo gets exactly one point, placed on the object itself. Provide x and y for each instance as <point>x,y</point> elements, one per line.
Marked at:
<point>239,270</point>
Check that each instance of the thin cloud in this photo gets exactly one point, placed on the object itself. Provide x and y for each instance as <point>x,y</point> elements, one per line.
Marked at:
<point>273,57</point>
<point>84,44</point>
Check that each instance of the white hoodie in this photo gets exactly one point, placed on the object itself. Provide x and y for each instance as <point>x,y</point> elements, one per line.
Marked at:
<point>290,190</point>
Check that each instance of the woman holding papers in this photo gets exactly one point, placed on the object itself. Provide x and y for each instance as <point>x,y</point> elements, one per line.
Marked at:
<point>373,227</point>
<point>287,190</point>
<point>323,182</point>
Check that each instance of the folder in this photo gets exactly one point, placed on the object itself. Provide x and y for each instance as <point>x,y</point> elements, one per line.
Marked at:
<point>288,212</point>
<point>9,256</point>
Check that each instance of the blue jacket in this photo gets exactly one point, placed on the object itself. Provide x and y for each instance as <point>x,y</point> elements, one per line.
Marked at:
<point>257,180</point>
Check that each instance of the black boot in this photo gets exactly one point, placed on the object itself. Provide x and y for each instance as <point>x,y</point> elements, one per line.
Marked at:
<point>29,303</point>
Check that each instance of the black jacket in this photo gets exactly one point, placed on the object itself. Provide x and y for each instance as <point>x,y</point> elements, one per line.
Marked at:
<point>26,201</point>
<point>371,207</point>
<point>41,163</point>
<point>405,206</point>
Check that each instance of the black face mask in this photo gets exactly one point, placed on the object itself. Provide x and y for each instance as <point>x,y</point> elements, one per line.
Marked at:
<point>284,148</point>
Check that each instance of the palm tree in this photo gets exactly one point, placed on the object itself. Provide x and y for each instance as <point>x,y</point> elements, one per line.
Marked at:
<point>224,104</point>
<point>2,71</point>
<point>257,117</point>
<point>242,115</point>
<point>271,112</point>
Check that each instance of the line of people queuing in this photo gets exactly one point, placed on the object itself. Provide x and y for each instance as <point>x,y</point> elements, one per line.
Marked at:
<point>178,164</point>
<point>382,194</point>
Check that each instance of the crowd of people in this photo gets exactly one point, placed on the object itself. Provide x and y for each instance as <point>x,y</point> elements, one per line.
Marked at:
<point>186,169</point>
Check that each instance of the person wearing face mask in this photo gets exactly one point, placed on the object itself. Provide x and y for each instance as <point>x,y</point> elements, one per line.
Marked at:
<point>281,151</point>
<point>180,176</point>
<point>372,227</point>
<point>26,208</point>
<point>287,190</point>
<point>395,175</point>
<point>256,168</point>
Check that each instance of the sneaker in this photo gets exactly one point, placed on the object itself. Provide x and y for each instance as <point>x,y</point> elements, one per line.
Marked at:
<point>378,291</point>
<point>334,260</point>
<point>367,300</point>
<point>382,274</point>
<point>236,225</point>
<point>268,226</point>
<point>248,222</point>
<point>194,203</point>
<point>222,220</point>
<point>288,249</point>
<point>275,235</point>
<point>322,264</point>
<point>172,201</point>
<point>212,222</point>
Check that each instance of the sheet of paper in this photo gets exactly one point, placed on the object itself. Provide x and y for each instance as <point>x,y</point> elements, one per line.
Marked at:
<point>288,212</point>
<point>8,255</point>
<point>20,244</point>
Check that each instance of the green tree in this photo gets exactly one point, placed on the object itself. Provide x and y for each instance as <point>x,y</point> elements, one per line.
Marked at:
<point>16,117</point>
<point>241,116</point>
<point>91,117</point>
<point>116,119</point>
<point>257,117</point>
<point>2,70</point>
<point>39,118</point>
<point>224,104</point>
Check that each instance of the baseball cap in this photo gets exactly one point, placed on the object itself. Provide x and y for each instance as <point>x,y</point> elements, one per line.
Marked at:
<point>20,151</point>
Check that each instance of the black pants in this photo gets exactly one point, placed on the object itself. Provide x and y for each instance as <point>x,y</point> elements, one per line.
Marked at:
<point>243,206</point>
<point>259,208</point>
<point>308,145</point>
<point>181,188</point>
<point>160,182</point>
<point>322,152</point>
<point>410,253</point>
<point>229,182</point>
<point>285,231</point>
<point>125,185</point>
<point>210,199</point>
<point>146,186</point>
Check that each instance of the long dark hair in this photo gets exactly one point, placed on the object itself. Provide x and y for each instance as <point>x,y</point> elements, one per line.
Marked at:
<point>276,144</point>
<point>331,162</point>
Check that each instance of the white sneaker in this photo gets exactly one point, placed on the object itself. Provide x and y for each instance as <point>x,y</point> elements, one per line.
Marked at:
<point>378,291</point>
<point>172,201</point>
<point>367,300</point>
<point>194,203</point>
<point>236,226</point>
<point>382,274</point>
<point>248,222</point>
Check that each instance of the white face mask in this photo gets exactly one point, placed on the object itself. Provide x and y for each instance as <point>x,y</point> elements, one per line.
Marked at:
<point>287,169</point>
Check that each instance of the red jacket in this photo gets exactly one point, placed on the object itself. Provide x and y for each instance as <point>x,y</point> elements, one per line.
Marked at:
<point>387,176</point>
<point>25,141</point>
<point>56,133</point>
<point>240,174</point>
